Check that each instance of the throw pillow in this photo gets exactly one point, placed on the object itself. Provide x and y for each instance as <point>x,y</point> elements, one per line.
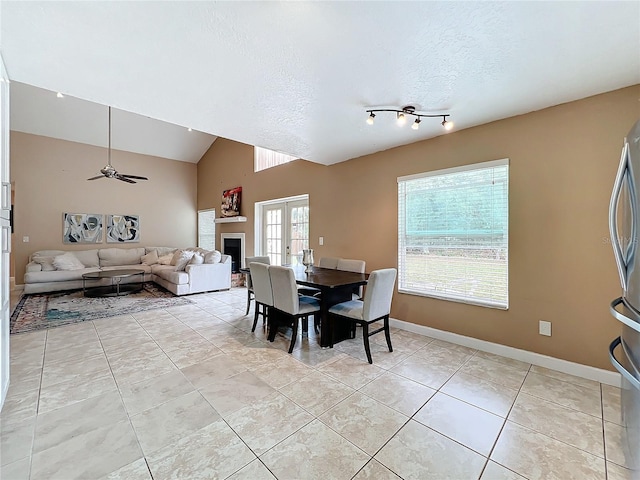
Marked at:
<point>213,257</point>
<point>183,260</point>
<point>67,261</point>
<point>150,258</point>
<point>197,259</point>
<point>46,263</point>
<point>165,259</point>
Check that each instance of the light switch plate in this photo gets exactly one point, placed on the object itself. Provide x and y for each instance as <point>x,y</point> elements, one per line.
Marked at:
<point>25,239</point>
<point>321,241</point>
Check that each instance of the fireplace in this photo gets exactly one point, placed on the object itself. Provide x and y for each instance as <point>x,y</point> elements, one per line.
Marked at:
<point>233,245</point>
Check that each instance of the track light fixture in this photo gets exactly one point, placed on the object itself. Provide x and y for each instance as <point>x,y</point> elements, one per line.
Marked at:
<point>401,116</point>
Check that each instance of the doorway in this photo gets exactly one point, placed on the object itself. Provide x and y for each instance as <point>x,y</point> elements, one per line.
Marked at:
<point>282,229</point>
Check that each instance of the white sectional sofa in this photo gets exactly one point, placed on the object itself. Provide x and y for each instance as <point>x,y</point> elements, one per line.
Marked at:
<point>54,270</point>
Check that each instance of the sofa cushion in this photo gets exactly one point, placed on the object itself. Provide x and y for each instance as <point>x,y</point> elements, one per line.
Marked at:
<point>161,251</point>
<point>46,263</point>
<point>67,261</point>
<point>169,273</point>
<point>47,253</point>
<point>213,257</point>
<point>150,258</point>
<point>57,276</point>
<point>181,259</point>
<point>89,258</point>
<point>144,268</point>
<point>110,257</point>
<point>197,259</point>
<point>165,259</point>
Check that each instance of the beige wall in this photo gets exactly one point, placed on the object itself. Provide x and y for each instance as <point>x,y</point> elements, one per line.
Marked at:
<point>563,162</point>
<point>49,177</point>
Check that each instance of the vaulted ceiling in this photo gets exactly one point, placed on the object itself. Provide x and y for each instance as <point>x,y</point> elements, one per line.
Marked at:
<point>297,77</point>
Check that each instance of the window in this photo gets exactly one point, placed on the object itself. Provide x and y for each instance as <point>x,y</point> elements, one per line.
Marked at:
<point>207,229</point>
<point>264,158</point>
<point>453,234</point>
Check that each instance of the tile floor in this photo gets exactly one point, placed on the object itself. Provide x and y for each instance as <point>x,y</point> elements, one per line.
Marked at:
<point>190,393</point>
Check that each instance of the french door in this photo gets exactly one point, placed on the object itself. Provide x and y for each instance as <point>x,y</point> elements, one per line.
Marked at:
<point>285,231</point>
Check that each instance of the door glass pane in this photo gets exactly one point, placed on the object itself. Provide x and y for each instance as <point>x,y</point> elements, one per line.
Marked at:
<point>273,229</point>
<point>299,231</point>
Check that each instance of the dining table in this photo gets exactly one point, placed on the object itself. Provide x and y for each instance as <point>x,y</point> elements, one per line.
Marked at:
<point>335,286</point>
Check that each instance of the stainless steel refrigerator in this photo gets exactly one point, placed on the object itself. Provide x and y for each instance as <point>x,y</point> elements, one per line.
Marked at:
<point>624,351</point>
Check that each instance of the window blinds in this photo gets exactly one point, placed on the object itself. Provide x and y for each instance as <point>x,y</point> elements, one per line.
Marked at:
<point>453,234</point>
<point>265,158</point>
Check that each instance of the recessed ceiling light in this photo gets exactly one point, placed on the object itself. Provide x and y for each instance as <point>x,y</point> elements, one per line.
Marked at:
<point>59,95</point>
<point>189,129</point>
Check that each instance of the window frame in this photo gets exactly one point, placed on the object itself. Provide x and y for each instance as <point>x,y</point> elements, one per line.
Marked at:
<point>402,237</point>
<point>211,211</point>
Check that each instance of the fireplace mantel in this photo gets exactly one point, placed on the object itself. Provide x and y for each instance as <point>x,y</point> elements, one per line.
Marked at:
<point>230,219</point>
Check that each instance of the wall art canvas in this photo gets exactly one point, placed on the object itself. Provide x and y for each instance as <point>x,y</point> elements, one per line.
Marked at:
<point>123,228</point>
<point>82,228</point>
<point>231,202</point>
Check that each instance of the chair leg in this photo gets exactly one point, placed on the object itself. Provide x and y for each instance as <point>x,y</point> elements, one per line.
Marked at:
<point>316,323</point>
<point>387,333</point>
<point>332,327</point>
<point>294,334</point>
<point>248,303</point>
<point>365,338</point>
<point>255,318</point>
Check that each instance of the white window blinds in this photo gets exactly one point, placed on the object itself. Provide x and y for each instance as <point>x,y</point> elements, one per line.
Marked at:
<point>207,229</point>
<point>453,234</point>
<point>264,158</point>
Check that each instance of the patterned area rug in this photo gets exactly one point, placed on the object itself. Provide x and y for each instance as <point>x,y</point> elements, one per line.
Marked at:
<point>48,310</point>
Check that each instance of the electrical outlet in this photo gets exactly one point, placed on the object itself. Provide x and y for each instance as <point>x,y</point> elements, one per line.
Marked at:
<point>321,241</point>
<point>545,328</point>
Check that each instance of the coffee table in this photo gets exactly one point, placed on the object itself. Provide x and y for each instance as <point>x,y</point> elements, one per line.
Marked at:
<point>116,288</point>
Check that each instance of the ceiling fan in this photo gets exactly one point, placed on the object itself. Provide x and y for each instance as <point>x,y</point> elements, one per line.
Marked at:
<point>109,172</point>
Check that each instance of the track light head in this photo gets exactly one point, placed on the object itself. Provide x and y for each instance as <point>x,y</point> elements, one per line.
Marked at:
<point>370,118</point>
<point>416,124</point>
<point>400,118</point>
<point>447,124</point>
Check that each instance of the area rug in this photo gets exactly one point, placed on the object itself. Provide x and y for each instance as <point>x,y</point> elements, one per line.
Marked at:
<point>48,310</point>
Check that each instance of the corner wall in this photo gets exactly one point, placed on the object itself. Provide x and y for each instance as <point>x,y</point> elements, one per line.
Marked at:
<point>50,178</point>
<point>563,162</point>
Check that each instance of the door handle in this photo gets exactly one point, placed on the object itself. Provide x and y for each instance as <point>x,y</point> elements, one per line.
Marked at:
<point>613,221</point>
<point>623,371</point>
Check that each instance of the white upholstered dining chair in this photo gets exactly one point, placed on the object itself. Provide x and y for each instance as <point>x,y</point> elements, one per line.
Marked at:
<point>375,306</point>
<point>263,293</point>
<point>288,303</point>
<point>250,293</point>
<point>328,262</point>
<point>349,265</point>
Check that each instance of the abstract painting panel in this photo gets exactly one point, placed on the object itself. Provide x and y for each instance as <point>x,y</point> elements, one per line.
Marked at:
<point>231,202</point>
<point>123,228</point>
<point>82,228</point>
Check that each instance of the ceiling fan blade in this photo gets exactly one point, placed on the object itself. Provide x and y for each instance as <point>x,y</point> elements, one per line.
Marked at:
<point>133,176</point>
<point>120,177</point>
<point>96,178</point>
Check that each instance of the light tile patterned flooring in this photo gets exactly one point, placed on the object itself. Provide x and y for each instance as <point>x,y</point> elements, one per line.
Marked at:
<point>191,393</point>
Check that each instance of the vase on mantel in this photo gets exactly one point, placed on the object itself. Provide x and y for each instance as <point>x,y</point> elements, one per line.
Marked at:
<point>307,259</point>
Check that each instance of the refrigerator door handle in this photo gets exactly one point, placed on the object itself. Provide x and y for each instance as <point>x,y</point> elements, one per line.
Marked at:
<point>613,214</point>
<point>623,371</point>
<point>633,323</point>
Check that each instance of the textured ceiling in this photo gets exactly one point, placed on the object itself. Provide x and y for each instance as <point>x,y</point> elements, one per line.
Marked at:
<point>297,76</point>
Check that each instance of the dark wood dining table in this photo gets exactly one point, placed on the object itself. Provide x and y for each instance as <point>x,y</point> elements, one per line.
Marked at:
<point>335,286</point>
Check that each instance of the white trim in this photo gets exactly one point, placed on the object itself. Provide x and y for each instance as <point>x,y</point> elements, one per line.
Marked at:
<point>240,236</point>
<point>584,371</point>
<point>462,168</point>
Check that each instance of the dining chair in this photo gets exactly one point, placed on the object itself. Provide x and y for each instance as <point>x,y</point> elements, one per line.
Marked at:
<point>328,262</point>
<point>288,303</point>
<point>375,306</point>
<point>349,265</point>
<point>263,293</point>
<point>250,293</point>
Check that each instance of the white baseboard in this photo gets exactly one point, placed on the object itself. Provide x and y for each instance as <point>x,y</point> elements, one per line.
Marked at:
<point>585,371</point>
